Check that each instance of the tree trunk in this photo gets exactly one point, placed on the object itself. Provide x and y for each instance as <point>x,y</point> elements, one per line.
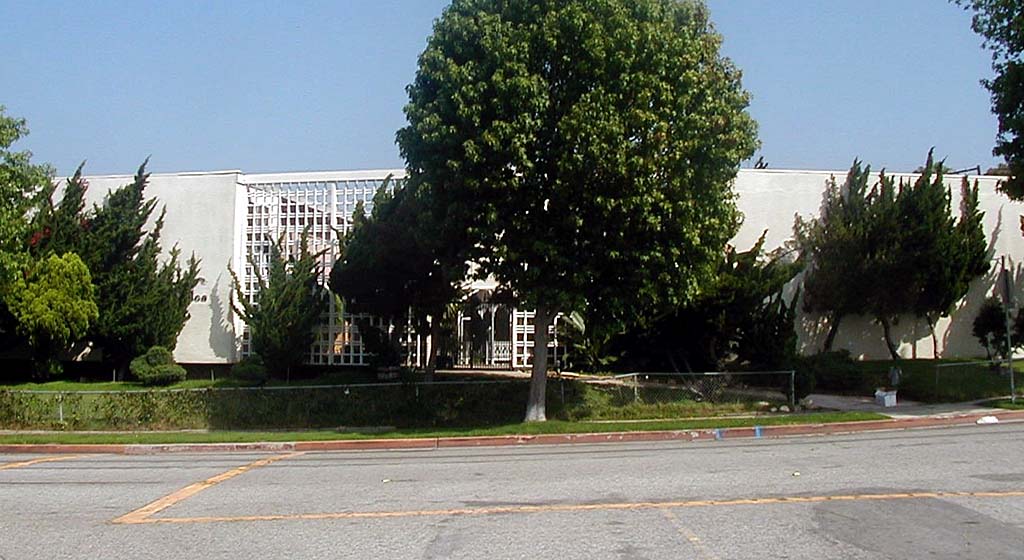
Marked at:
<point>435,341</point>
<point>935,337</point>
<point>887,330</point>
<point>539,376</point>
<point>833,330</point>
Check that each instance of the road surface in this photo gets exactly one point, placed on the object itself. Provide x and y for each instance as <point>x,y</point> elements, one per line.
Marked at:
<point>939,493</point>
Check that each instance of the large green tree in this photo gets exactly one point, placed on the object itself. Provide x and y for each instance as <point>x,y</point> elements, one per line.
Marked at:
<point>393,265</point>
<point>948,252</point>
<point>1001,24</point>
<point>142,294</point>
<point>835,280</point>
<point>21,183</point>
<point>580,152</point>
<point>287,305</point>
<point>54,304</point>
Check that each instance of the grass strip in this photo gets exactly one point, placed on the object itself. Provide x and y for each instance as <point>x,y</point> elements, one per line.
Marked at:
<point>1007,404</point>
<point>550,427</point>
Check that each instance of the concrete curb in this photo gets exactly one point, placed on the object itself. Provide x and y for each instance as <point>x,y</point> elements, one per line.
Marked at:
<point>704,434</point>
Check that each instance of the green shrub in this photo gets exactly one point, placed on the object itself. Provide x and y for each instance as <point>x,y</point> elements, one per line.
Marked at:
<point>251,370</point>
<point>832,371</point>
<point>157,367</point>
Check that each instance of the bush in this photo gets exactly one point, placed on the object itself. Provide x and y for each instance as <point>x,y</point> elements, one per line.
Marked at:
<point>832,371</point>
<point>157,367</point>
<point>385,352</point>
<point>251,370</point>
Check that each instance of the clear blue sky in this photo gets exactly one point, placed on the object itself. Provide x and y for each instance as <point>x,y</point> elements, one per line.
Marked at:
<point>283,86</point>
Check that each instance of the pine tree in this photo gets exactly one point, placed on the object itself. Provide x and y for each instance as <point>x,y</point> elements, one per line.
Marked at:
<point>143,298</point>
<point>890,250</point>
<point>286,307</point>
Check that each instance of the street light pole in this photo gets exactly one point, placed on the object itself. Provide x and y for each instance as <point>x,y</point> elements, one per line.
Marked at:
<point>1007,301</point>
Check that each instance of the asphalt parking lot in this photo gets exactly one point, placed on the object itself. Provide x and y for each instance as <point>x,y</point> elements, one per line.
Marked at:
<point>938,493</point>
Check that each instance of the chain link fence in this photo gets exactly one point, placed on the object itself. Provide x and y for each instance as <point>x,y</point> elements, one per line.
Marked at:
<point>968,381</point>
<point>365,406</point>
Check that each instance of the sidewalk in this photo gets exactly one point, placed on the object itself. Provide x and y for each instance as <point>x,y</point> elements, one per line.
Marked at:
<point>904,422</point>
<point>903,408</point>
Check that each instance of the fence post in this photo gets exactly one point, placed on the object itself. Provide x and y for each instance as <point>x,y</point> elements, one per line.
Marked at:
<point>792,390</point>
<point>1013,385</point>
<point>636,388</point>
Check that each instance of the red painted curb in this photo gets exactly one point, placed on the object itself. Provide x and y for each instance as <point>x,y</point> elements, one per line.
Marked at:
<point>366,444</point>
<point>702,434</point>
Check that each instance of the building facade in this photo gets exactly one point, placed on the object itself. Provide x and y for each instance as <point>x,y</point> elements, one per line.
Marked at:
<point>231,218</point>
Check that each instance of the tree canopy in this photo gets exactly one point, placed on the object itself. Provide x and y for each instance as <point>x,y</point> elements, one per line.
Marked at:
<point>392,263</point>
<point>891,249</point>
<point>1001,25</point>
<point>21,182</point>
<point>54,304</point>
<point>739,316</point>
<point>580,152</point>
<point>143,298</point>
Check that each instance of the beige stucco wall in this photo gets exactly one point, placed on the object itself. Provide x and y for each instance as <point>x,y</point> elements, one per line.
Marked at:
<point>202,218</point>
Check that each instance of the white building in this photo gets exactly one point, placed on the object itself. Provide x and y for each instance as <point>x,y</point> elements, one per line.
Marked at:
<point>224,216</point>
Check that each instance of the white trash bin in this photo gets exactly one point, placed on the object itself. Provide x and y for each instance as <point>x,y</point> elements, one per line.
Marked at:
<point>885,398</point>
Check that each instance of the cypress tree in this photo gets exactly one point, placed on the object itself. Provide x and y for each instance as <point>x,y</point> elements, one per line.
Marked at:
<point>143,299</point>
<point>286,307</point>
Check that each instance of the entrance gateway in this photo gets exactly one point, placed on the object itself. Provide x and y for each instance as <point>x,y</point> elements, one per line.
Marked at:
<point>492,334</point>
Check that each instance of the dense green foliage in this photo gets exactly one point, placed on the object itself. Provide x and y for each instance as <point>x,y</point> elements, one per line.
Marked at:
<point>581,152</point>
<point>989,327</point>
<point>739,319</point>
<point>54,305</point>
<point>287,306</point>
<point>143,298</point>
<point>393,266</point>
<point>250,369</point>
<point>891,249</point>
<point>396,405</point>
<point>157,367</point>
<point>20,184</point>
<point>836,372</point>
<point>1001,24</point>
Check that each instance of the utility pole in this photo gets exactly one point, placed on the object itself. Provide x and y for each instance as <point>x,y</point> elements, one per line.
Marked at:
<point>1007,302</point>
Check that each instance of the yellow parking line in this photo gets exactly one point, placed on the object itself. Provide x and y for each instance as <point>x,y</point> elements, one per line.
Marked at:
<point>142,514</point>
<point>558,508</point>
<point>20,464</point>
<point>689,535</point>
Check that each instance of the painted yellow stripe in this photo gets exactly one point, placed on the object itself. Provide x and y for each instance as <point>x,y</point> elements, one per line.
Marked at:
<point>689,535</point>
<point>142,514</point>
<point>20,464</point>
<point>558,508</point>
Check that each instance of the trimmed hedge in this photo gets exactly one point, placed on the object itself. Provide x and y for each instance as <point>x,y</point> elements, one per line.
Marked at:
<point>402,405</point>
